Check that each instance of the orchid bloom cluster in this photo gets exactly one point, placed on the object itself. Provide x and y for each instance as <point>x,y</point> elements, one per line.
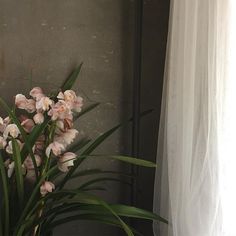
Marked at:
<point>37,108</point>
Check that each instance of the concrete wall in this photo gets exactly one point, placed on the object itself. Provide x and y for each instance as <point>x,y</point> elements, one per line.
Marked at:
<point>41,41</point>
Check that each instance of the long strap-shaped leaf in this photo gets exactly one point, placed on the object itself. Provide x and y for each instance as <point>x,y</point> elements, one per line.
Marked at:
<point>127,159</point>
<point>120,209</point>
<point>93,209</point>
<point>109,220</point>
<point>87,198</point>
<point>18,171</point>
<point>22,131</point>
<point>5,195</point>
<point>89,172</point>
<point>96,180</point>
<point>68,84</point>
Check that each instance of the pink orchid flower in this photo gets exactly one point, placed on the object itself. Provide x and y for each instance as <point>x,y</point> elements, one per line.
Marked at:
<point>38,118</point>
<point>23,103</point>
<point>37,93</point>
<point>9,148</point>
<point>66,138</point>
<point>11,130</point>
<point>56,148</point>
<point>44,104</point>
<point>46,187</point>
<point>28,163</point>
<point>60,110</point>
<point>28,125</point>
<point>3,143</point>
<point>4,124</point>
<point>69,96</point>
<point>66,161</point>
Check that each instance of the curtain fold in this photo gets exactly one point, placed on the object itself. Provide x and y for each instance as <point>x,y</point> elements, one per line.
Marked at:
<point>188,192</point>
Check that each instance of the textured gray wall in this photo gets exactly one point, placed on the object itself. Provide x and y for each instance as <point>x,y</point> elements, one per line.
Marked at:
<point>43,40</point>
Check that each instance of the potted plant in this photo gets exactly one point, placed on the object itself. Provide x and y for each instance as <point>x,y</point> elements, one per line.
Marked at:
<point>39,156</point>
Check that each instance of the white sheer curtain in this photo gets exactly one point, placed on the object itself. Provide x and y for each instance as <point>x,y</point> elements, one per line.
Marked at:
<point>197,129</point>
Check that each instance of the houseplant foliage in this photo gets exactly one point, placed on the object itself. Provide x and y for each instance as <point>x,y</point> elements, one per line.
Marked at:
<point>39,155</point>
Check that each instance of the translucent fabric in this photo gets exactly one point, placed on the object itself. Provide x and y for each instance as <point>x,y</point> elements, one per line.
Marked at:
<point>192,138</point>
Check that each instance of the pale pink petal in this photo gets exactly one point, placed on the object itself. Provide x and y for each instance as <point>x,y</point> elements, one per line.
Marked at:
<point>1,121</point>
<point>3,143</point>
<point>70,135</point>
<point>11,130</point>
<point>23,103</point>
<point>38,118</point>
<point>46,187</point>
<point>10,169</point>
<point>20,101</point>
<point>3,126</point>
<point>28,125</point>
<point>30,106</point>
<point>78,104</point>
<point>44,104</point>
<point>28,163</point>
<point>69,96</point>
<point>66,138</point>
<point>9,146</point>
<point>65,161</point>
<point>60,111</point>
<point>60,95</point>
<point>56,148</point>
<point>37,93</point>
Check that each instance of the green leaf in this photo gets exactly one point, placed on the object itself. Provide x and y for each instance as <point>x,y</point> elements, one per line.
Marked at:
<point>68,84</point>
<point>127,159</point>
<point>120,209</point>
<point>95,188</point>
<point>90,182</point>
<point>86,198</point>
<point>129,211</point>
<point>18,171</point>
<point>5,195</point>
<point>109,220</point>
<point>99,172</point>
